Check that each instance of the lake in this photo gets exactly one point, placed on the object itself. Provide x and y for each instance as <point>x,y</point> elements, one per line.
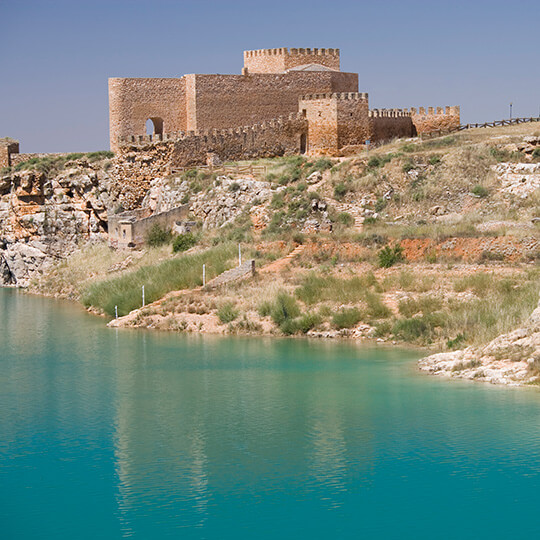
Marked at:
<point>116,433</point>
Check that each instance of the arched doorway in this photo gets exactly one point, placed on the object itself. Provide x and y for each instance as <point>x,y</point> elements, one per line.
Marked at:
<point>154,126</point>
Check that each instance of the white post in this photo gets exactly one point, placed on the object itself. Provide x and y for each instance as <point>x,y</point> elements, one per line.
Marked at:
<point>239,255</point>
<point>203,275</point>
<point>116,312</point>
<point>143,296</point>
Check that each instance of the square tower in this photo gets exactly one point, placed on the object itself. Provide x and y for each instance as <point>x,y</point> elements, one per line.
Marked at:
<point>335,120</point>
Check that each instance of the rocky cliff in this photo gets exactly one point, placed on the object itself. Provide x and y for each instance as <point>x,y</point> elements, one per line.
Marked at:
<point>46,212</point>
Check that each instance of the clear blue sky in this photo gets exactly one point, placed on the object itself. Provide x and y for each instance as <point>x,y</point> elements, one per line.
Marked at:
<point>57,55</point>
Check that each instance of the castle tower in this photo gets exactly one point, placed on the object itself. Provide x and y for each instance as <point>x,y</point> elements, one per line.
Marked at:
<point>335,120</point>
<point>283,59</point>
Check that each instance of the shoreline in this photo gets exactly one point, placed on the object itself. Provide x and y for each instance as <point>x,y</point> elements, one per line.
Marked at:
<point>476,364</point>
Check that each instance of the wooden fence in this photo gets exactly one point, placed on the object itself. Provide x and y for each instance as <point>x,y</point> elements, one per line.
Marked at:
<point>253,170</point>
<point>462,127</point>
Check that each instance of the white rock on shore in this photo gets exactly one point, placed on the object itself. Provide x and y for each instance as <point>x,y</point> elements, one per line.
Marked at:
<point>512,359</point>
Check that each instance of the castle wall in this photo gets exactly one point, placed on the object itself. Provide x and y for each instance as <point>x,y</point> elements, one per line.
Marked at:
<point>279,60</point>
<point>141,159</point>
<point>388,124</point>
<point>269,139</point>
<point>132,101</point>
<point>435,118</point>
<point>224,101</point>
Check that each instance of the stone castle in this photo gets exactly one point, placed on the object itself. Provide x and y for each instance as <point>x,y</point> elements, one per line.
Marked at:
<point>284,101</point>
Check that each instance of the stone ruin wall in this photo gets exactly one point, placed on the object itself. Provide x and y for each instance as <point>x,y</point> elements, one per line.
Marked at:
<point>282,59</point>
<point>142,222</point>
<point>141,159</point>
<point>9,148</point>
<point>269,139</point>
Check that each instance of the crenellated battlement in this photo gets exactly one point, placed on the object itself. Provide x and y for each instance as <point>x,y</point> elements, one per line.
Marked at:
<point>427,119</point>
<point>212,135</point>
<point>389,113</point>
<point>281,59</point>
<point>293,52</point>
<point>448,111</point>
<point>362,96</point>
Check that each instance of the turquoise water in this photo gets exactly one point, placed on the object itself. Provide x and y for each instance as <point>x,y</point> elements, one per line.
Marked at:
<point>107,434</point>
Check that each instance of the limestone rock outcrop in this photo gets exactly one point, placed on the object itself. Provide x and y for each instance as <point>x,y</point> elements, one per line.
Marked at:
<point>45,215</point>
<point>512,359</point>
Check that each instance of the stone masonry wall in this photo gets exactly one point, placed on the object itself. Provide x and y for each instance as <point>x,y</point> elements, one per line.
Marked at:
<point>279,60</point>
<point>224,101</point>
<point>141,223</point>
<point>8,149</point>
<point>321,114</point>
<point>213,101</point>
<point>435,118</point>
<point>352,119</point>
<point>141,159</point>
<point>388,124</point>
<point>133,101</point>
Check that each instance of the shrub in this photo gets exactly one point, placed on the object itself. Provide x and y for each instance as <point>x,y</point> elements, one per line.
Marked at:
<point>265,309</point>
<point>157,236</point>
<point>227,313</point>
<point>340,190</point>
<point>345,219</point>
<point>284,309</point>
<point>408,148</point>
<point>491,256</point>
<point>322,164</point>
<point>456,342</point>
<point>308,321</point>
<point>183,242</point>
<point>408,166</point>
<point>411,329</point>
<point>346,318</point>
<point>376,308</point>
<point>536,153</point>
<point>374,162</point>
<point>380,204</point>
<point>434,160</point>
<point>388,256</point>
<point>235,186</point>
<point>480,191</point>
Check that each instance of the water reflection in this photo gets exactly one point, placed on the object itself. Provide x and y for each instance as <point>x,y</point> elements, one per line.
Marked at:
<point>168,435</point>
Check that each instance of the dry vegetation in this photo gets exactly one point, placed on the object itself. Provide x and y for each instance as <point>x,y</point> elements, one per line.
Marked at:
<point>465,253</point>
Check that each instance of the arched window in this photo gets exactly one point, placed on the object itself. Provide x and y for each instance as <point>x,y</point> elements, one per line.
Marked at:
<point>154,126</point>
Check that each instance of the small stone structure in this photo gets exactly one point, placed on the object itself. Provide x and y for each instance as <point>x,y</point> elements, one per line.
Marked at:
<point>8,147</point>
<point>129,229</point>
